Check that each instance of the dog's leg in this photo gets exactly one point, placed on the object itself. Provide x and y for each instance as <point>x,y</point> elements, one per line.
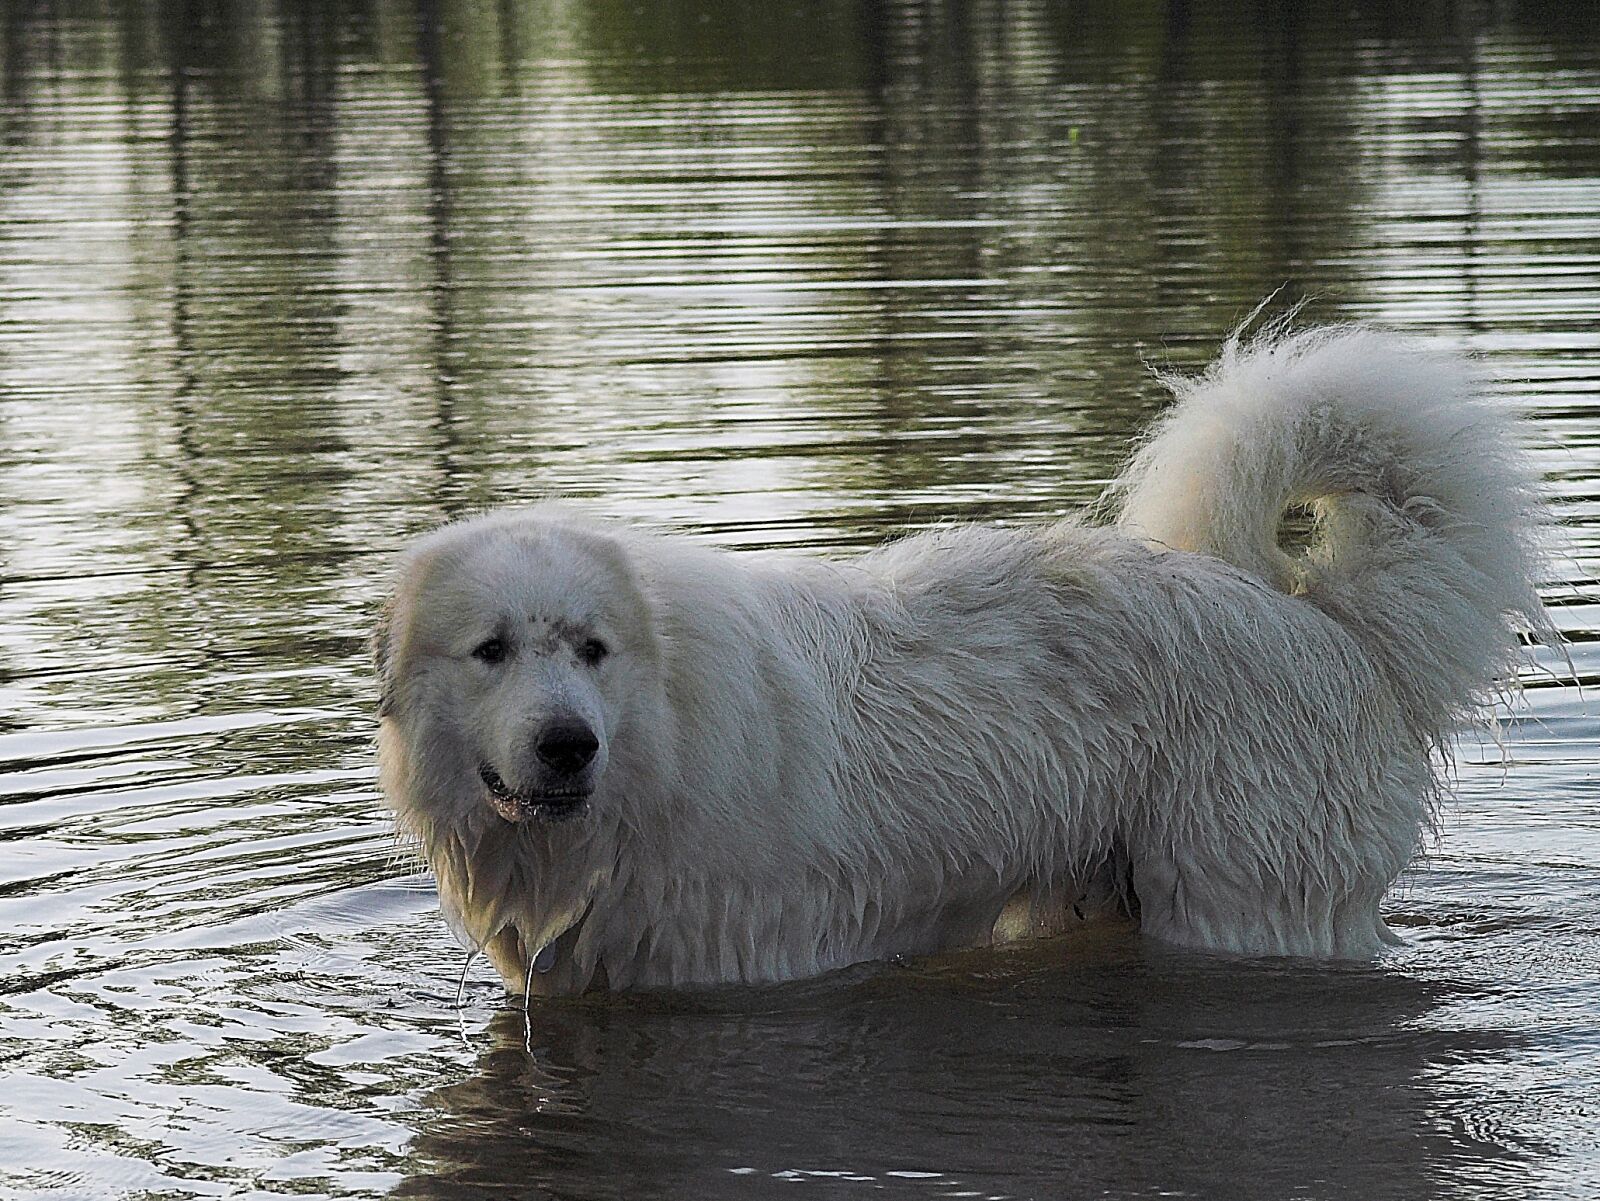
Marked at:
<point>1243,909</point>
<point>1043,910</point>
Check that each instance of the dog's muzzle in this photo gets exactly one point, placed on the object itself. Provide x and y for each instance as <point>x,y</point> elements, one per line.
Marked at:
<point>556,776</point>
<point>549,804</point>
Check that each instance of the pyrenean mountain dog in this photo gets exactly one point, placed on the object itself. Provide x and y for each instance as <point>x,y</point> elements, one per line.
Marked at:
<point>635,761</point>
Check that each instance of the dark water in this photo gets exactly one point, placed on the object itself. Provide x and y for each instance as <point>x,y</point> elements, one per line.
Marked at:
<point>284,284</point>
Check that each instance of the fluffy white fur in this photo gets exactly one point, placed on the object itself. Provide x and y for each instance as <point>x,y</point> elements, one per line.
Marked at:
<point>980,732</point>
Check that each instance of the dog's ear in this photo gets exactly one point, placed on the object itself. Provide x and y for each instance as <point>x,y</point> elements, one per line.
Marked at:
<point>383,657</point>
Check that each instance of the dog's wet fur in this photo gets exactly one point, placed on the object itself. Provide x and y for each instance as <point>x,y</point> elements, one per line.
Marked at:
<point>634,761</point>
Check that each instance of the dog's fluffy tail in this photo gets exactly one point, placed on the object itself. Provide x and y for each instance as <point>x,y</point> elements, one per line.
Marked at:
<point>1426,526</point>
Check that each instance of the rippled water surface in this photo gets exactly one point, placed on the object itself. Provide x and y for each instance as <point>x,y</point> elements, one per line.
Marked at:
<point>283,284</point>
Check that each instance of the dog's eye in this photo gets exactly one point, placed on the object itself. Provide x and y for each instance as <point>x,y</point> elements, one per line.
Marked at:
<point>490,650</point>
<point>592,651</point>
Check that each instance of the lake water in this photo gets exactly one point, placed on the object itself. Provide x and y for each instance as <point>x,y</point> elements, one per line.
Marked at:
<point>284,284</point>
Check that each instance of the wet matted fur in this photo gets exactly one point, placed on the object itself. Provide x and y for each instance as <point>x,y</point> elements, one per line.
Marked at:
<point>634,761</point>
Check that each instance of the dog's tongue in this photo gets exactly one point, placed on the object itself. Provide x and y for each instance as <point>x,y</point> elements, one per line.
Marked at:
<point>509,808</point>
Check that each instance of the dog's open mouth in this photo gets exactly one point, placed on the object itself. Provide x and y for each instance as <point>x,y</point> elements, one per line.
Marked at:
<point>554,805</point>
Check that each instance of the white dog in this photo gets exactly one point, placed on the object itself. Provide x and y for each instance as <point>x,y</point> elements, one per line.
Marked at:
<point>633,761</point>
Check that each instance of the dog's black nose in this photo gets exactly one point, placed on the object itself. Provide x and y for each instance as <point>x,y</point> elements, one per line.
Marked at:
<point>566,745</point>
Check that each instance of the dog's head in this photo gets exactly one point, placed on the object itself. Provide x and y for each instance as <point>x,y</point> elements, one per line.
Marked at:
<point>507,657</point>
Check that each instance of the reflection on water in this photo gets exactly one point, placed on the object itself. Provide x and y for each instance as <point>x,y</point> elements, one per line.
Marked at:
<point>985,1078</point>
<point>281,285</point>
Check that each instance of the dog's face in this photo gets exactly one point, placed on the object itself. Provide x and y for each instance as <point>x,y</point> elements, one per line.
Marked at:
<point>510,652</point>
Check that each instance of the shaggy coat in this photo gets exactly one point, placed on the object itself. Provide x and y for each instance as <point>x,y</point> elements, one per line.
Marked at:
<point>633,761</point>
